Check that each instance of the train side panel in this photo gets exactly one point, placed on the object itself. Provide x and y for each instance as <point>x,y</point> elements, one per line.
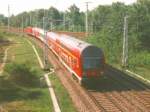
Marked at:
<point>71,60</point>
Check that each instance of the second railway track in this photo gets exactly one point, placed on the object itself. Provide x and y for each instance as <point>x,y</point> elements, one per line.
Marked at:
<point>112,93</point>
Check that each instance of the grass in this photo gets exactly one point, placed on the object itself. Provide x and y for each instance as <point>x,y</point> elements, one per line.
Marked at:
<point>143,72</point>
<point>19,97</point>
<point>39,50</point>
<point>3,45</point>
<point>62,95</point>
<point>15,97</point>
<point>2,49</point>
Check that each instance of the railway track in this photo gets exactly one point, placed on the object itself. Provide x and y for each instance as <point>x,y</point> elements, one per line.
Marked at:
<point>112,93</point>
<point>138,90</point>
<point>122,93</point>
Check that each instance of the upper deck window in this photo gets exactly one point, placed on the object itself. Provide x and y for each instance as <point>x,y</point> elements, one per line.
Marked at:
<point>91,63</point>
<point>92,57</point>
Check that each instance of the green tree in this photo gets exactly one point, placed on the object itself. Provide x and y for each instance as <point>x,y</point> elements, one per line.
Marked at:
<point>74,14</point>
<point>3,20</point>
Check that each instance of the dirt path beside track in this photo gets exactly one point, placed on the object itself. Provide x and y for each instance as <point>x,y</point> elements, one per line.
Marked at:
<point>4,60</point>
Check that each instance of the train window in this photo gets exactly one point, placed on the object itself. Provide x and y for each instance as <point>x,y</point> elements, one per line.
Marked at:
<point>77,65</point>
<point>74,62</point>
<point>91,62</point>
<point>65,57</point>
<point>69,61</point>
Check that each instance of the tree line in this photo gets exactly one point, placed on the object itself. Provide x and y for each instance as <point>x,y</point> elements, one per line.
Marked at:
<point>69,19</point>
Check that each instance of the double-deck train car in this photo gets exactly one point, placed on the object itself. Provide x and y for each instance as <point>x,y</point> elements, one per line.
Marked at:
<point>83,60</point>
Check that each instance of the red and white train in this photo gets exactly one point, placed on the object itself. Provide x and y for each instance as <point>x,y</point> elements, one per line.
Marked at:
<point>82,59</point>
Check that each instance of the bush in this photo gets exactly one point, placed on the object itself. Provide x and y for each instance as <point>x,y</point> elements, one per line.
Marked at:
<point>1,37</point>
<point>140,59</point>
<point>22,74</point>
<point>3,40</point>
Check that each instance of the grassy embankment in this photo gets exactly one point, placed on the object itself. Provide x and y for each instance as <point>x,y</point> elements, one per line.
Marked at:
<point>20,88</point>
<point>3,45</point>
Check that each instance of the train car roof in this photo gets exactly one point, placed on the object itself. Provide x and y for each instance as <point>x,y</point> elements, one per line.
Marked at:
<point>69,41</point>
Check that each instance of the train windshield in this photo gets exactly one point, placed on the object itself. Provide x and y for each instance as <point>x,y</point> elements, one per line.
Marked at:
<point>91,63</point>
<point>92,58</point>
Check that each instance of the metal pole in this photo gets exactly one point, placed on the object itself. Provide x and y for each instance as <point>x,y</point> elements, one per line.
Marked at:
<point>125,43</point>
<point>45,45</point>
<point>64,21</point>
<point>8,18</point>
<point>36,20</point>
<point>30,18</point>
<point>27,22</point>
<point>22,24</point>
<point>51,23</point>
<point>44,40</point>
<point>44,13</point>
<point>86,18</point>
<point>126,58</point>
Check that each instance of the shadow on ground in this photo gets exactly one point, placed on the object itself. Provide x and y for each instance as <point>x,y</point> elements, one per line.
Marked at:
<point>12,92</point>
<point>115,80</point>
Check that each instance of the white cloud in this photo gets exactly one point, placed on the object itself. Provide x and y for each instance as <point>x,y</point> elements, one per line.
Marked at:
<point>17,6</point>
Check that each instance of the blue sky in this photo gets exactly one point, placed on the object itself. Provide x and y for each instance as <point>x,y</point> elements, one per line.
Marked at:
<point>17,6</point>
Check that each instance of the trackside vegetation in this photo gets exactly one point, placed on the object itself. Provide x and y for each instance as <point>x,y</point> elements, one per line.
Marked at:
<point>21,89</point>
<point>4,43</point>
<point>62,96</point>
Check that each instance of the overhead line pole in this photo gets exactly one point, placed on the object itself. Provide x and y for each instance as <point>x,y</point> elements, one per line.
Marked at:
<point>45,40</point>
<point>36,20</point>
<point>30,18</point>
<point>45,46</point>
<point>64,21</point>
<point>86,18</point>
<point>22,23</point>
<point>125,43</point>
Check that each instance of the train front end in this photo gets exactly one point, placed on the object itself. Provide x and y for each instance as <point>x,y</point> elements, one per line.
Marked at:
<point>93,63</point>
